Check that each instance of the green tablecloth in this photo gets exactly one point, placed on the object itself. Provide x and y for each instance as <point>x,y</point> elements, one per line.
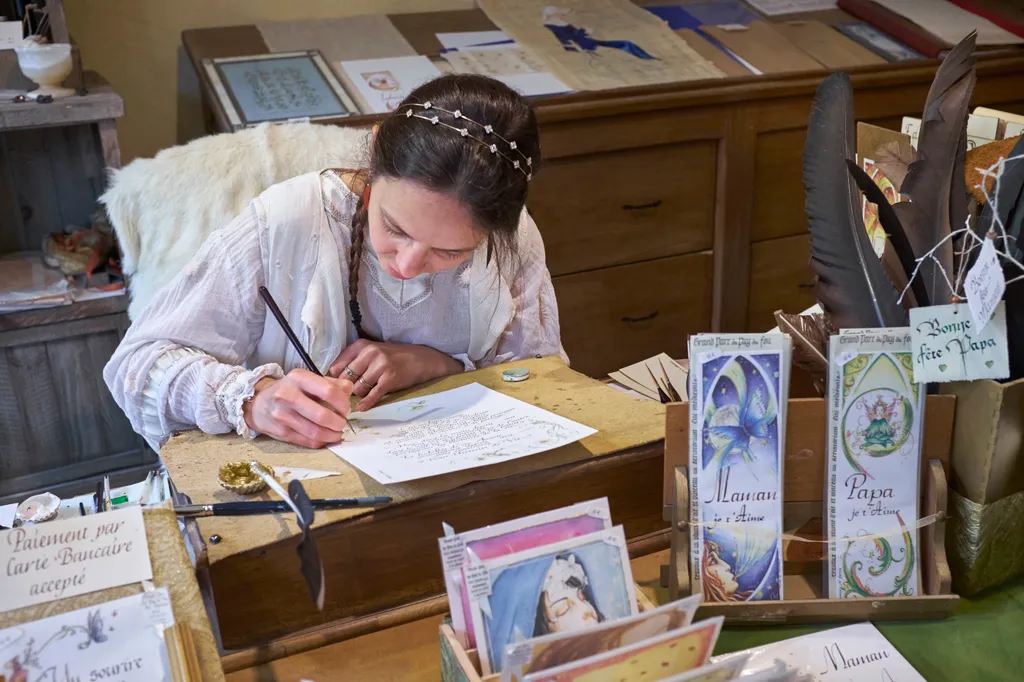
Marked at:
<point>984,640</point>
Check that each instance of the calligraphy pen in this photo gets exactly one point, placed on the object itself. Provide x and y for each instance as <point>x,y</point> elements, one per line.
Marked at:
<point>274,506</point>
<point>279,316</point>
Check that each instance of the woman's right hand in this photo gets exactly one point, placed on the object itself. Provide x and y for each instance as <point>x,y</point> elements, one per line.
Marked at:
<point>302,408</point>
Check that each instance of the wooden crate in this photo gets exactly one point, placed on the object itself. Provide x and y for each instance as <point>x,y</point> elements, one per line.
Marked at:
<point>803,489</point>
<point>459,664</point>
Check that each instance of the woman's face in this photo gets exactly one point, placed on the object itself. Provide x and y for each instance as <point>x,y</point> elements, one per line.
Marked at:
<point>721,570</point>
<point>414,230</point>
<point>568,611</point>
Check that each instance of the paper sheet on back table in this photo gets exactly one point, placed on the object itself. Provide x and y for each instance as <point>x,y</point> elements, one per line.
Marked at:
<point>466,427</point>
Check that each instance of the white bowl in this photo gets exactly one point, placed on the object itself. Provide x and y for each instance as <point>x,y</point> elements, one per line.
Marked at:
<point>47,66</point>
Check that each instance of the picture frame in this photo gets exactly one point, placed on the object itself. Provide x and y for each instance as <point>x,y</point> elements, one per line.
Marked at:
<point>281,87</point>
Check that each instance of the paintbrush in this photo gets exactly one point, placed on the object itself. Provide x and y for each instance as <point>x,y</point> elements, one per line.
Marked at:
<point>274,506</point>
<point>292,338</point>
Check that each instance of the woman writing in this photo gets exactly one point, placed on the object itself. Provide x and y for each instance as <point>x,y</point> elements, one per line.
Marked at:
<point>423,265</point>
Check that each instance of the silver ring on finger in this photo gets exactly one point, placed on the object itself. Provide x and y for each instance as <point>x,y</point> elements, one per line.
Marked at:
<point>351,375</point>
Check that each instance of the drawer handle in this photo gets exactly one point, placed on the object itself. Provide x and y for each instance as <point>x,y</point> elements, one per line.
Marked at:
<point>639,207</point>
<point>645,318</point>
<point>805,286</point>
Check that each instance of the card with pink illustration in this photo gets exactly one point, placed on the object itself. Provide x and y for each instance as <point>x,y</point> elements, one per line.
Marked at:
<point>672,653</point>
<point>517,535</point>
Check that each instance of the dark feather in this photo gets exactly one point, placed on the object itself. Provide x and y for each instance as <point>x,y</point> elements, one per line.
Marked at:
<point>852,286</point>
<point>935,182</point>
<point>893,159</point>
<point>895,271</point>
<point>897,238</point>
<point>1006,194</point>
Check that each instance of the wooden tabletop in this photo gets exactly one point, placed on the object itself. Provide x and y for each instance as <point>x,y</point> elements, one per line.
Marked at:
<point>194,458</point>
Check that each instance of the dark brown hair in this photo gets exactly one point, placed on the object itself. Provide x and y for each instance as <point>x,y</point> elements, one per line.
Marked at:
<point>487,184</point>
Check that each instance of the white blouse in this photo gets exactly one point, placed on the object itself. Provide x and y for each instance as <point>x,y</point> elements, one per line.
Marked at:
<point>182,363</point>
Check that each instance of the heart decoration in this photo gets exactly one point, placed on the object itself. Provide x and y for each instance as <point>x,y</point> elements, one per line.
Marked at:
<point>942,368</point>
<point>989,363</point>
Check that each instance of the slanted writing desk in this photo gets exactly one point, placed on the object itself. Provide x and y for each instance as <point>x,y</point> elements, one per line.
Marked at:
<point>378,560</point>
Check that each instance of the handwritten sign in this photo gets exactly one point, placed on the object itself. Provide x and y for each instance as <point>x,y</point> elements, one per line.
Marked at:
<point>117,640</point>
<point>947,345</point>
<point>61,559</point>
<point>985,285</point>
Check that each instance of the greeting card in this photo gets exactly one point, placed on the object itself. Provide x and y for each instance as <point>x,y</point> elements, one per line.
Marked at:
<point>738,397</point>
<point>876,416</point>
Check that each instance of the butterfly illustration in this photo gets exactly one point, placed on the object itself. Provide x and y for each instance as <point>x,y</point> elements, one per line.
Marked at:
<point>735,420</point>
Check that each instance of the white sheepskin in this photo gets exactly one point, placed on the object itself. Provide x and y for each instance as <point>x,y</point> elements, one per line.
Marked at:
<point>163,208</point>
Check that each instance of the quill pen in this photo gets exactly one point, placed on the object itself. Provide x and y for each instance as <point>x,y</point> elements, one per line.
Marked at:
<point>935,180</point>
<point>810,344</point>
<point>852,286</point>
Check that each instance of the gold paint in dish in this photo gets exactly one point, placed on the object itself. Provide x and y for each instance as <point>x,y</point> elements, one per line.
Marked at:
<point>238,477</point>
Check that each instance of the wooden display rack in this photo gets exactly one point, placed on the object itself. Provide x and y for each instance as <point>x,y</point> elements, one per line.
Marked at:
<point>459,664</point>
<point>804,485</point>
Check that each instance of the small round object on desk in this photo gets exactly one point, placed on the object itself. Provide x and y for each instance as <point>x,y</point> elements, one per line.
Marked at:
<point>238,477</point>
<point>518,374</point>
<point>38,508</point>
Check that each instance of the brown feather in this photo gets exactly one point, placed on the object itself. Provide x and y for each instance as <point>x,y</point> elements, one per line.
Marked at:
<point>810,334</point>
<point>935,181</point>
<point>897,273</point>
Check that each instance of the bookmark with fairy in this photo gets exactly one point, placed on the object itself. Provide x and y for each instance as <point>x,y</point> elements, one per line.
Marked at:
<point>739,385</point>
<point>876,418</point>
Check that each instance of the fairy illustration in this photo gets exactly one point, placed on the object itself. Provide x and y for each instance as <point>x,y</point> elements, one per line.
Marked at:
<point>575,39</point>
<point>740,413</point>
<point>17,669</point>
<point>880,433</point>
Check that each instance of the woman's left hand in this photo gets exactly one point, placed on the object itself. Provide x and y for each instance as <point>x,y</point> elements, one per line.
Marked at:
<point>380,368</point>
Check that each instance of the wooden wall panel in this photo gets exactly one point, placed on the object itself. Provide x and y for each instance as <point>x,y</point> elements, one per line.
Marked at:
<point>643,203</point>
<point>608,324</point>
<point>779,280</point>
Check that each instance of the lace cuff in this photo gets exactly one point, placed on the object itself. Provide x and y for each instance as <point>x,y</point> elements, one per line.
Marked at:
<point>467,364</point>
<point>239,389</point>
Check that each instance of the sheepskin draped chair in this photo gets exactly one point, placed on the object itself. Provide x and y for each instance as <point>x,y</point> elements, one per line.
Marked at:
<point>162,209</point>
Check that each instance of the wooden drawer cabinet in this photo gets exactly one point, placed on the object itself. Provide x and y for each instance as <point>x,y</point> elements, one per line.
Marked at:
<point>639,204</point>
<point>611,317</point>
<point>58,421</point>
<point>671,209</point>
<point>779,280</point>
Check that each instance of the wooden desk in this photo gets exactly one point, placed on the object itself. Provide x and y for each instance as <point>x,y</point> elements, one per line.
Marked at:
<point>675,209</point>
<point>378,560</point>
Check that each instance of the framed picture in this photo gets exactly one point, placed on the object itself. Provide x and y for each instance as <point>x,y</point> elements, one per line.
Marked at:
<point>284,86</point>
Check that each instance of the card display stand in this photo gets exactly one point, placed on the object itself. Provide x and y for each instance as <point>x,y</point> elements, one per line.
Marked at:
<point>804,592</point>
<point>459,664</point>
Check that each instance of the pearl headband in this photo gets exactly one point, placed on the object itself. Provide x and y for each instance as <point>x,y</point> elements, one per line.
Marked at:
<point>523,164</point>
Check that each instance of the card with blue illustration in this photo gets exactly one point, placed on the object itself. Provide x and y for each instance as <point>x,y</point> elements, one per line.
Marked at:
<point>876,420</point>
<point>739,385</point>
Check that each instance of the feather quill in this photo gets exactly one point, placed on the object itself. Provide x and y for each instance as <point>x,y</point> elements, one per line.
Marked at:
<point>896,237</point>
<point>935,181</point>
<point>810,344</point>
<point>852,286</point>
